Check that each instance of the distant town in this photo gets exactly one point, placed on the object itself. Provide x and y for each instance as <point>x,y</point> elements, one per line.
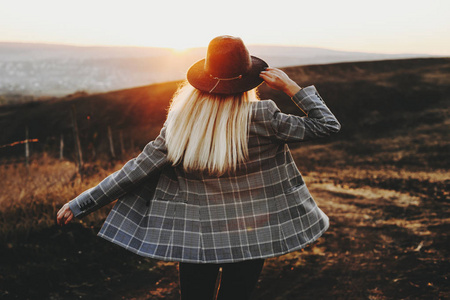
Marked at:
<point>41,70</point>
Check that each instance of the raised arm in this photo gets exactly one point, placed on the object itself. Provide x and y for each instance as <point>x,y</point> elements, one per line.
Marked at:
<point>319,120</point>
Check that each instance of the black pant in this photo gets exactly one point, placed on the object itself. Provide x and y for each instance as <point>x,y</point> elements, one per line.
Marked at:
<point>198,281</point>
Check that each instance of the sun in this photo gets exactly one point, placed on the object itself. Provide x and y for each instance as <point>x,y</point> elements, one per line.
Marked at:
<point>179,49</point>
<point>184,44</point>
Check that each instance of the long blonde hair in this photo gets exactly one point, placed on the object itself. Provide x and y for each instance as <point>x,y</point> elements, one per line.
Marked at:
<point>208,132</point>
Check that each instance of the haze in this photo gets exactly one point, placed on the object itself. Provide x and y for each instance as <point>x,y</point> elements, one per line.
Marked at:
<point>376,26</point>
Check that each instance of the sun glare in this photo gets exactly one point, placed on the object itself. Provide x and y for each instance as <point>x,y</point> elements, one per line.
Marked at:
<point>179,49</point>
<point>356,29</point>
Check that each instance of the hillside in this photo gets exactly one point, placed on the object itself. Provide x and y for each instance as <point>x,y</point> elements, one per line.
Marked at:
<point>378,99</point>
<point>383,181</point>
<point>42,70</point>
<point>139,112</point>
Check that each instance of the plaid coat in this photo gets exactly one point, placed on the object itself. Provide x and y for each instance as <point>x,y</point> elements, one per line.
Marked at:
<point>262,210</point>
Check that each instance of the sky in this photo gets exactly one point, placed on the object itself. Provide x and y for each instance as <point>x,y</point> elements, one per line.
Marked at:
<point>394,26</point>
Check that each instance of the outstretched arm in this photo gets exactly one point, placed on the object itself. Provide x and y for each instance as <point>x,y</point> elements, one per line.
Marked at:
<point>152,159</point>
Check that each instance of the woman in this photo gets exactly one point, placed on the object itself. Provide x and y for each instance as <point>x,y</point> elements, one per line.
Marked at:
<point>228,192</point>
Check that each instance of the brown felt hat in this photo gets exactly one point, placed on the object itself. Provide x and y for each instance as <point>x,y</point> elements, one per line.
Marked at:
<point>227,69</point>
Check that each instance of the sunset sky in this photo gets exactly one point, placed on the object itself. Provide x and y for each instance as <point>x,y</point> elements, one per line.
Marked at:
<point>393,26</point>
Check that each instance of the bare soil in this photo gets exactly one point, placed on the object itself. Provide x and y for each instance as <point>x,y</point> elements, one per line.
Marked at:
<point>382,244</point>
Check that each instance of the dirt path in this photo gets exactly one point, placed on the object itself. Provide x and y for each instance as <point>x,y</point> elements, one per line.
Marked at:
<point>382,244</point>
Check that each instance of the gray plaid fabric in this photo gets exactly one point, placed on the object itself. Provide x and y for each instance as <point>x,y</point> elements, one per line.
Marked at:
<point>262,210</point>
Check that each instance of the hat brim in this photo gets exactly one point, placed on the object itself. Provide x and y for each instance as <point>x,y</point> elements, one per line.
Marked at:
<point>199,79</point>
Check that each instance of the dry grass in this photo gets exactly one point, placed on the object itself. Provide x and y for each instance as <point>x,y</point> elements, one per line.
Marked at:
<point>389,228</point>
<point>383,182</point>
<point>40,260</point>
<point>31,197</point>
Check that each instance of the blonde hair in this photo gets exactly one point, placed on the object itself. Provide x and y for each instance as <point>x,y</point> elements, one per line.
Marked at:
<point>208,132</point>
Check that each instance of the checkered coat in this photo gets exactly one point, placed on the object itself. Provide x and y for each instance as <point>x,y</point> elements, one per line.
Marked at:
<point>262,210</point>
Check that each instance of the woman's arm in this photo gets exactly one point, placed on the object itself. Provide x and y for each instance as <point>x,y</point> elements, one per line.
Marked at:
<point>319,122</point>
<point>150,160</point>
<point>278,80</point>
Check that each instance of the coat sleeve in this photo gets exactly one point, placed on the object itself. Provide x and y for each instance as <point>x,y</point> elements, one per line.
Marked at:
<point>319,120</point>
<point>151,160</point>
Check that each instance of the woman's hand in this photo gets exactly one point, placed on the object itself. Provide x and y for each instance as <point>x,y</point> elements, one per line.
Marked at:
<point>64,215</point>
<point>278,80</point>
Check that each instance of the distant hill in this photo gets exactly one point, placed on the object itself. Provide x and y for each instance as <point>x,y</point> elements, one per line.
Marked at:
<point>56,70</point>
<point>373,100</point>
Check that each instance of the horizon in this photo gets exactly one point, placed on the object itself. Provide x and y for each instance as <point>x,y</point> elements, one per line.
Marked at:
<point>385,27</point>
<point>182,50</point>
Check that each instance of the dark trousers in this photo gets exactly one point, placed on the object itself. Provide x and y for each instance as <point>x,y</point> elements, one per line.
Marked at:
<point>237,282</point>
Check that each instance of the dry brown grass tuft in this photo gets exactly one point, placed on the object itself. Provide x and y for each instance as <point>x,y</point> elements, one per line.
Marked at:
<point>31,198</point>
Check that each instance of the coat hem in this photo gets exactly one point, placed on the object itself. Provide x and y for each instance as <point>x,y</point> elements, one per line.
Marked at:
<point>169,259</point>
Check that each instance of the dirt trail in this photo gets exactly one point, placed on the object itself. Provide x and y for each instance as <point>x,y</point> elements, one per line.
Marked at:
<point>382,244</point>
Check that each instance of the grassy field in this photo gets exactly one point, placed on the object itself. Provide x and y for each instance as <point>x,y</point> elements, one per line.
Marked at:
<point>40,260</point>
<point>383,181</point>
<point>388,238</point>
